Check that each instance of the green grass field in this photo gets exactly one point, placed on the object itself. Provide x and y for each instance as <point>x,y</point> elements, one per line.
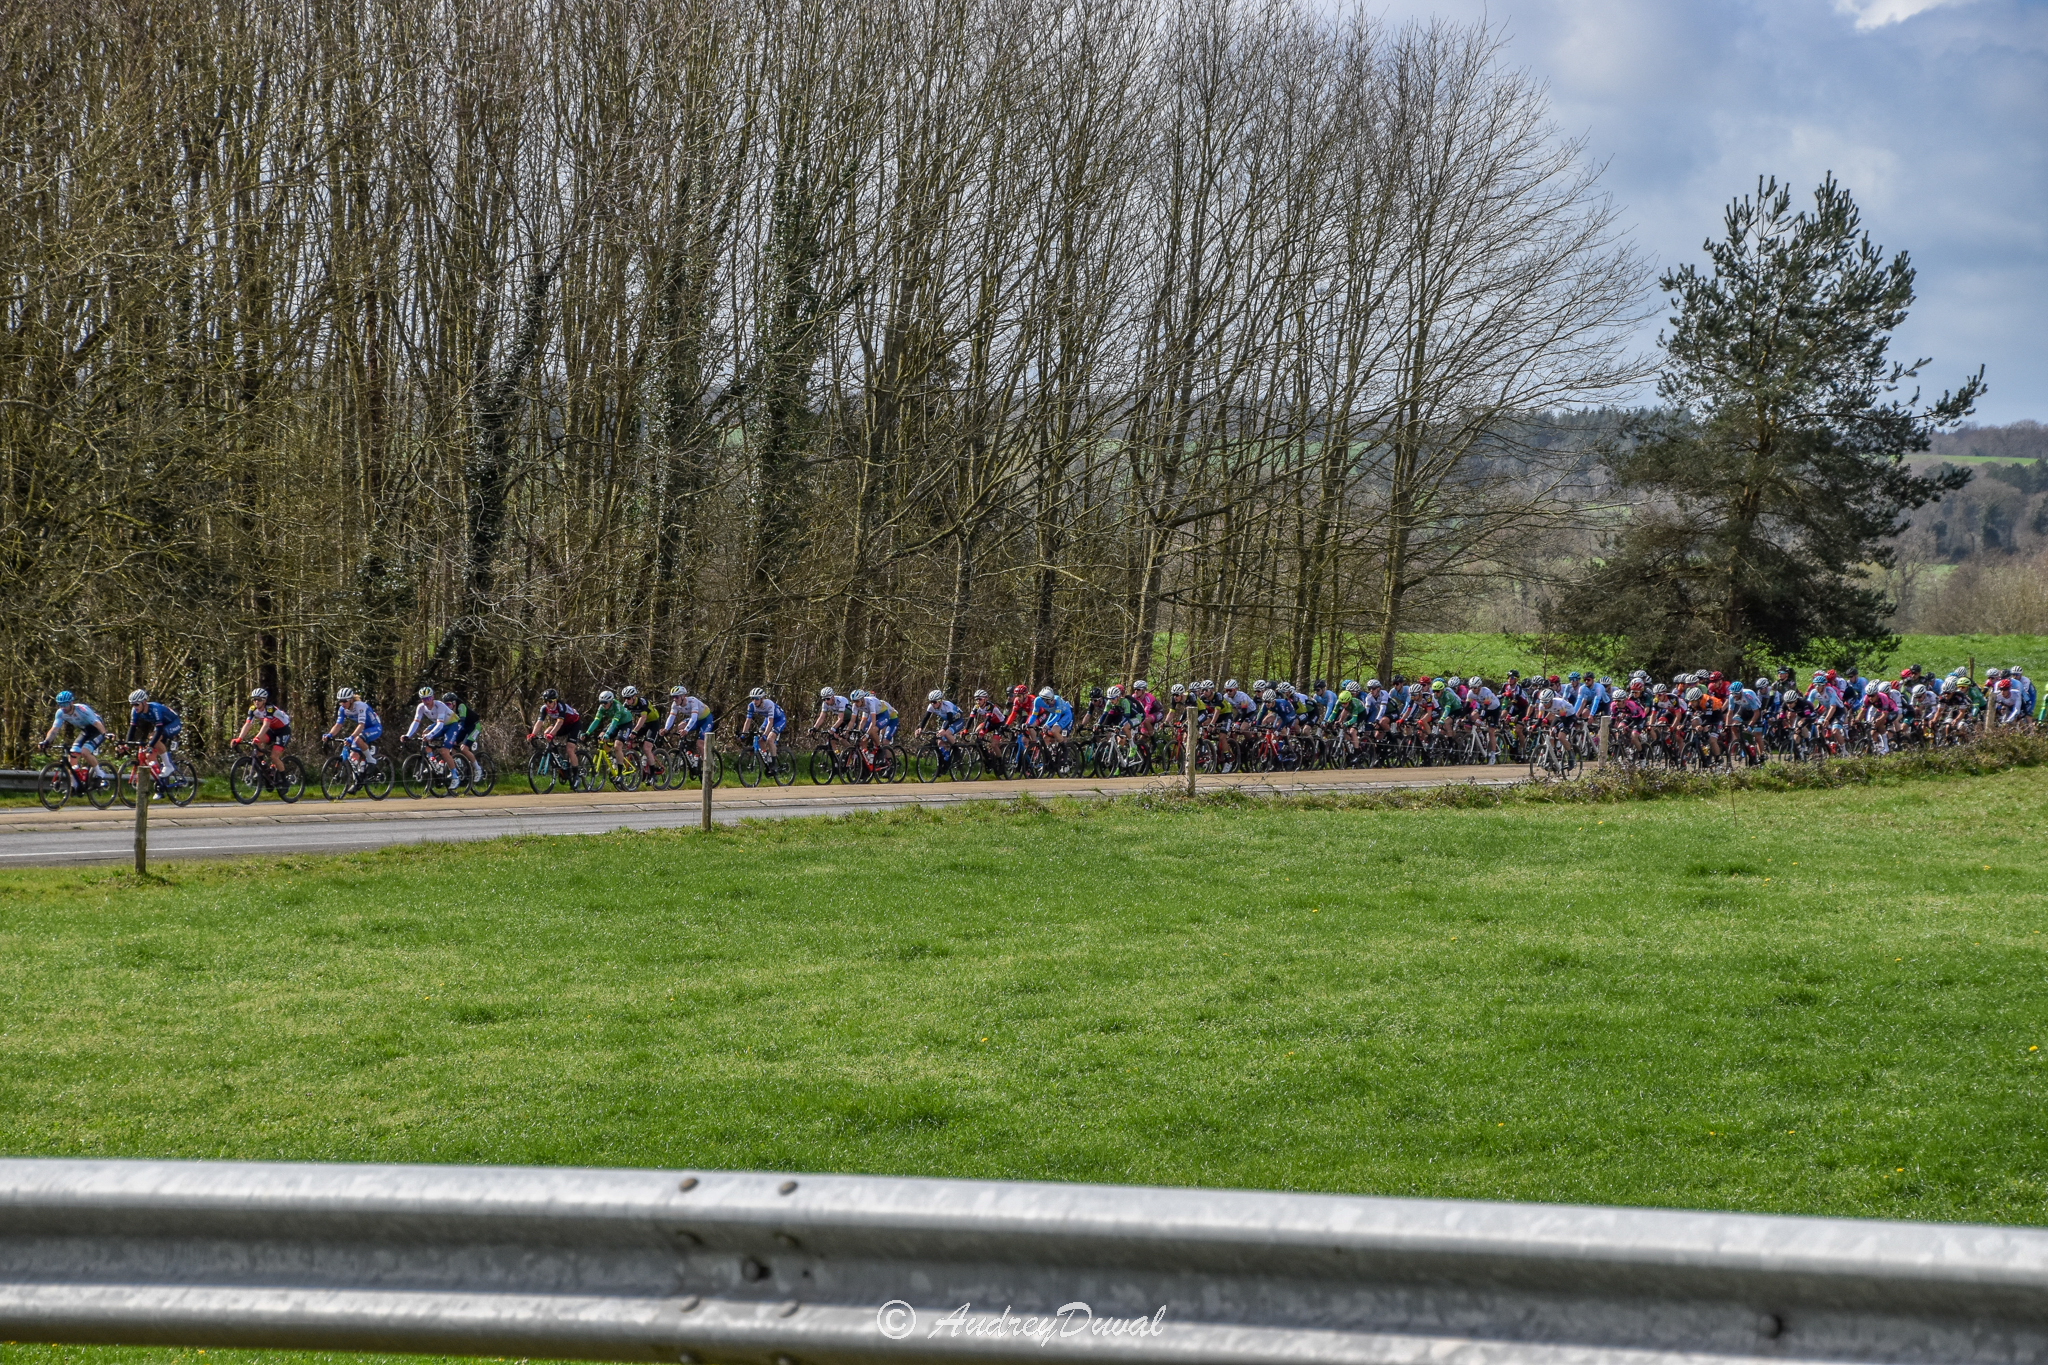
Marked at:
<point>1776,1007</point>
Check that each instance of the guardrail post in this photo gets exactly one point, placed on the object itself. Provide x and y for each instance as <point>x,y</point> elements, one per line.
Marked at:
<point>704,761</point>
<point>145,788</point>
<point>1194,725</point>
<point>1606,729</point>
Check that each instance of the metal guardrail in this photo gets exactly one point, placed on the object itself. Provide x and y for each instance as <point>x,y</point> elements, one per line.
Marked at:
<point>815,1270</point>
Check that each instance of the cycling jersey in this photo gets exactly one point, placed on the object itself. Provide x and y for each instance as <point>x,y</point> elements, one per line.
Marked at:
<point>81,718</point>
<point>1482,698</point>
<point>609,718</point>
<point>948,716</point>
<point>877,708</point>
<point>688,715</point>
<point>150,720</point>
<point>273,720</point>
<point>428,717</point>
<point>638,711</point>
<point>764,714</point>
<point>356,712</point>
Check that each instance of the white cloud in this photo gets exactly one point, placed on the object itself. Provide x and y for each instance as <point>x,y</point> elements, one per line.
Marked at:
<point>1872,14</point>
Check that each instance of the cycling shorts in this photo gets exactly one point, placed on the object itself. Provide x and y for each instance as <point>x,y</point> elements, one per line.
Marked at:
<point>167,733</point>
<point>372,733</point>
<point>279,738</point>
<point>572,726</point>
<point>89,741</point>
<point>888,727</point>
<point>447,732</point>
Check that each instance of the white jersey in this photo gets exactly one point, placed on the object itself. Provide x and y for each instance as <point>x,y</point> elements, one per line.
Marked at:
<point>685,712</point>
<point>875,706</point>
<point>431,712</point>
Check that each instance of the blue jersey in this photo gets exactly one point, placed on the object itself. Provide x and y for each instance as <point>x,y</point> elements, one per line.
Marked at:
<point>949,716</point>
<point>764,713</point>
<point>1062,717</point>
<point>151,719</point>
<point>79,717</point>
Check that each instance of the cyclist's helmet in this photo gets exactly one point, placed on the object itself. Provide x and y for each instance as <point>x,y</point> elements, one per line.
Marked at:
<point>679,691</point>
<point>258,695</point>
<point>1260,685</point>
<point>451,697</point>
<point>1139,686</point>
<point>549,694</point>
<point>1553,680</point>
<point>1475,682</point>
<point>1660,690</point>
<point>606,695</point>
<point>1831,675</point>
<point>1919,691</point>
<point>1020,690</point>
<point>138,696</point>
<point>1437,686</point>
<point>1546,695</point>
<point>1269,695</point>
<point>858,694</point>
<point>1572,677</point>
<point>349,694</point>
<point>1372,685</point>
<point>758,694</point>
<point>63,699</point>
<point>629,691</point>
<point>936,694</point>
<point>427,694</point>
<point>1692,693</point>
<point>825,694</point>
<point>1762,683</point>
<point>1095,694</point>
<point>1514,673</point>
<point>1229,685</point>
<point>1177,690</point>
<point>981,694</point>
<point>1350,685</point>
<point>1045,693</point>
<point>1115,693</point>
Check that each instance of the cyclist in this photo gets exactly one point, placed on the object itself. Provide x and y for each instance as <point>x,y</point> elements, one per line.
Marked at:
<point>433,720</point>
<point>640,731</point>
<point>153,725</point>
<point>689,719</point>
<point>268,726</point>
<point>762,715</point>
<point>943,716</point>
<point>1090,719</point>
<point>364,726</point>
<point>558,720</point>
<point>608,722</point>
<point>873,716</point>
<point>834,712</point>
<point>983,715</point>
<point>1020,708</point>
<point>461,732</point>
<point>85,721</point>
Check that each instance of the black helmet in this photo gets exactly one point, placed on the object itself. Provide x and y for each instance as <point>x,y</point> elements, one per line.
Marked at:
<point>1322,683</point>
<point>1095,694</point>
<point>549,694</point>
<point>451,697</point>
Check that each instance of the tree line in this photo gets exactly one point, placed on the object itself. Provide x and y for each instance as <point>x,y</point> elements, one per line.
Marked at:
<point>517,343</point>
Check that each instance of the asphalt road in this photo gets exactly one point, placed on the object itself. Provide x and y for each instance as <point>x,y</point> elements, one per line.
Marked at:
<point>32,836</point>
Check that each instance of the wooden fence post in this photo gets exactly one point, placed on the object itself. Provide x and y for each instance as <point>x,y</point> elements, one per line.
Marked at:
<point>705,760</point>
<point>145,787</point>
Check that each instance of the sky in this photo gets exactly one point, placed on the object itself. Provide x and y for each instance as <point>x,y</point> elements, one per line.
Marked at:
<point>1933,113</point>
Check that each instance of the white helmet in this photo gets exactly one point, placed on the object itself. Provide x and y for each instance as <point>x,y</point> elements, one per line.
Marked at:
<point>1230,685</point>
<point>1045,693</point>
<point>858,694</point>
<point>825,694</point>
<point>1547,695</point>
<point>629,691</point>
<point>936,694</point>
<point>1139,686</point>
<point>427,694</point>
<point>1269,695</point>
<point>1114,692</point>
<point>1177,690</point>
<point>1260,685</point>
<point>758,694</point>
<point>138,696</point>
<point>261,694</point>
<point>345,694</point>
<point>1474,682</point>
<point>981,694</point>
<point>1692,694</point>
<point>606,696</point>
<point>1351,684</point>
<point>679,691</point>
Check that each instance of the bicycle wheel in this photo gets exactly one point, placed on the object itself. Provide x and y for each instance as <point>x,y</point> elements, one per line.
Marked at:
<point>53,788</point>
<point>821,765</point>
<point>103,786</point>
<point>182,785</point>
<point>291,783</point>
<point>626,775</point>
<point>483,776</point>
<point>542,771</point>
<point>415,771</point>
<point>245,784</point>
<point>747,763</point>
<point>782,768</point>
<point>124,782</point>
<point>379,775</point>
<point>924,762</point>
<point>337,778</point>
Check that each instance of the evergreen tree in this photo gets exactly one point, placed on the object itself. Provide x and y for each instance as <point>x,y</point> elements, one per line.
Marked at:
<point>1768,485</point>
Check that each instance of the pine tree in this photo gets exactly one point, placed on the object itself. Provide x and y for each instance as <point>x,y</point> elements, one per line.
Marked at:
<point>1771,480</point>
